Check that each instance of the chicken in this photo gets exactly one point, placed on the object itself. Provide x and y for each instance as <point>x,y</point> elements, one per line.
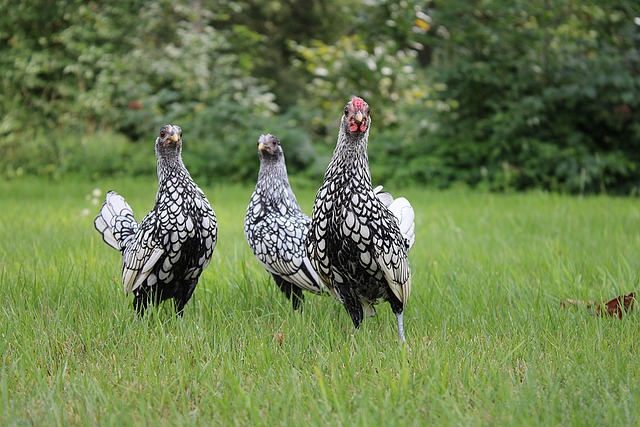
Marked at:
<point>276,228</point>
<point>360,238</point>
<point>164,255</point>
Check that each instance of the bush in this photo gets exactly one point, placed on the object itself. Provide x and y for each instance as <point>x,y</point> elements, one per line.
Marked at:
<point>93,156</point>
<point>222,142</point>
<point>503,95</point>
<point>546,95</point>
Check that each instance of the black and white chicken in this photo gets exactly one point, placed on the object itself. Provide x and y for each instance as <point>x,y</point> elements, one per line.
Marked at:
<point>360,238</point>
<point>164,255</point>
<point>276,228</point>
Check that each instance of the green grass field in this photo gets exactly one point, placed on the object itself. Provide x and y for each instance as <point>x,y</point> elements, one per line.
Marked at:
<point>490,342</point>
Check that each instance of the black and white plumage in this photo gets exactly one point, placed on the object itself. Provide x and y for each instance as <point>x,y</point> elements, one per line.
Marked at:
<point>360,237</point>
<point>164,255</point>
<point>276,228</point>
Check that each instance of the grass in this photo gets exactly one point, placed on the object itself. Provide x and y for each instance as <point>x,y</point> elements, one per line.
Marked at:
<point>490,343</point>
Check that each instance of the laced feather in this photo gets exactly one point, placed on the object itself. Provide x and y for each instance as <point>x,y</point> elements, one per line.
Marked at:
<point>163,255</point>
<point>276,228</point>
<point>360,236</point>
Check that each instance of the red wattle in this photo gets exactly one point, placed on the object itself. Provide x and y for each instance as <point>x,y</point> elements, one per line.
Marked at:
<point>363,126</point>
<point>353,127</point>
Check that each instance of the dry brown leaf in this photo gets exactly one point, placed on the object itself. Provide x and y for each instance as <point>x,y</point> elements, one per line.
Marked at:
<point>279,338</point>
<point>614,307</point>
<point>575,302</point>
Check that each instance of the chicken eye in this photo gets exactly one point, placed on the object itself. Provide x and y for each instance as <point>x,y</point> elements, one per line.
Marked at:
<point>162,134</point>
<point>368,110</point>
<point>346,110</point>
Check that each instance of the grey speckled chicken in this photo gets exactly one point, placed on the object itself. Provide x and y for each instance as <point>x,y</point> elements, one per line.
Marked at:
<point>360,238</point>
<point>164,255</point>
<point>276,228</point>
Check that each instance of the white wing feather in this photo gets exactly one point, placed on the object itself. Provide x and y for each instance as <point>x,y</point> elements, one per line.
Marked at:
<point>105,231</point>
<point>115,221</point>
<point>403,211</point>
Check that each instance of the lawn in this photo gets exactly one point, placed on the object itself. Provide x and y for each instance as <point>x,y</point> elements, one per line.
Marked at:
<point>490,343</point>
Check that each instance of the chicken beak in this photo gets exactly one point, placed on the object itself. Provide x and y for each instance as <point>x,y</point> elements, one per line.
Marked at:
<point>261,146</point>
<point>174,137</point>
<point>359,117</point>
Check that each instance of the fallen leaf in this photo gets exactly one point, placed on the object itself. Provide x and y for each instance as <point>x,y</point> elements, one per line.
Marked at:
<point>279,337</point>
<point>616,306</point>
<point>574,302</point>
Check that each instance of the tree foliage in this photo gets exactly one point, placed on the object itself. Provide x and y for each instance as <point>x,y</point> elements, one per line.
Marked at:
<point>124,69</point>
<point>545,93</point>
<point>507,95</point>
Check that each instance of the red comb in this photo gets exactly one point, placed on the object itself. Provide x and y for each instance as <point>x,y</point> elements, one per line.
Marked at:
<point>358,103</point>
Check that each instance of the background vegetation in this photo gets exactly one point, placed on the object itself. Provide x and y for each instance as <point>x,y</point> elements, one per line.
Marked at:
<point>498,94</point>
<point>492,94</point>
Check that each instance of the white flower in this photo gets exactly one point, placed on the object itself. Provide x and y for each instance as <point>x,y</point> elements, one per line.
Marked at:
<point>321,72</point>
